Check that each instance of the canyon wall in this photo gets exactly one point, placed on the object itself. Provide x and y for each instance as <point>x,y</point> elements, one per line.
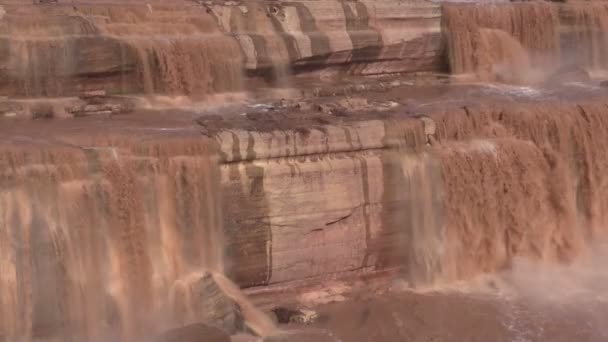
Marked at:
<point>123,236</point>
<point>200,48</point>
<point>197,49</point>
<point>363,37</point>
<point>488,183</point>
<point>311,201</point>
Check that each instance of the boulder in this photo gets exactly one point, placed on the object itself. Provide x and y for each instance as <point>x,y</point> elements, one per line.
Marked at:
<point>99,105</point>
<point>199,298</point>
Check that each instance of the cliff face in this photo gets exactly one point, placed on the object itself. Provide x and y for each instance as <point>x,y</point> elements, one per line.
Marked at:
<point>192,49</point>
<point>365,37</point>
<point>200,48</point>
<point>119,228</point>
<point>59,50</point>
<point>95,228</point>
<point>448,196</point>
<point>310,202</point>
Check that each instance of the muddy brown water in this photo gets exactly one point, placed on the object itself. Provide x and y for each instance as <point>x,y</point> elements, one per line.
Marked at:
<point>108,204</point>
<point>531,302</point>
<point>103,221</point>
<point>461,317</point>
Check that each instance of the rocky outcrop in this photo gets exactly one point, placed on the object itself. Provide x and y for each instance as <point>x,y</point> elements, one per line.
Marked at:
<point>200,299</point>
<point>459,191</point>
<point>198,48</point>
<point>447,195</point>
<point>313,199</point>
<point>141,47</point>
<point>363,37</point>
<point>97,103</point>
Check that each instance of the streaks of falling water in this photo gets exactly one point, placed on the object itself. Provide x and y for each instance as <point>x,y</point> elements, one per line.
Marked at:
<point>589,45</point>
<point>93,241</point>
<point>189,56</point>
<point>515,180</point>
<point>121,49</point>
<point>534,25</point>
<point>552,36</point>
<point>188,65</point>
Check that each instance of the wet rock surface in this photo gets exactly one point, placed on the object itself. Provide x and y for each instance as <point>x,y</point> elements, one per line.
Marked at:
<point>135,48</point>
<point>194,333</point>
<point>200,298</point>
<point>287,315</point>
<point>323,201</point>
<point>100,104</point>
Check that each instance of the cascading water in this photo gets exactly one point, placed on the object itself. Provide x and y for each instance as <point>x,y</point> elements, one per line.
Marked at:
<point>479,36</point>
<point>588,42</point>
<point>420,221</point>
<point>95,240</point>
<point>159,49</point>
<point>110,242</point>
<point>491,41</point>
<point>189,57</point>
<point>521,180</point>
<point>188,65</point>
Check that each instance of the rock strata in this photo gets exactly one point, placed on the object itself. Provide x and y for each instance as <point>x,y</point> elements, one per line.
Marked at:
<point>141,47</point>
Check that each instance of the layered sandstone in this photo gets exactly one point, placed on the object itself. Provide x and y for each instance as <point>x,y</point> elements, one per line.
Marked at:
<point>206,47</point>
<point>98,226</point>
<point>121,228</point>
<point>443,197</point>
<point>197,49</point>
<point>311,203</point>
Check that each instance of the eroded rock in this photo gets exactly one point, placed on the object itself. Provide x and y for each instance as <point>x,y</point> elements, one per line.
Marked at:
<point>95,104</point>
<point>303,316</point>
<point>92,49</point>
<point>199,298</point>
